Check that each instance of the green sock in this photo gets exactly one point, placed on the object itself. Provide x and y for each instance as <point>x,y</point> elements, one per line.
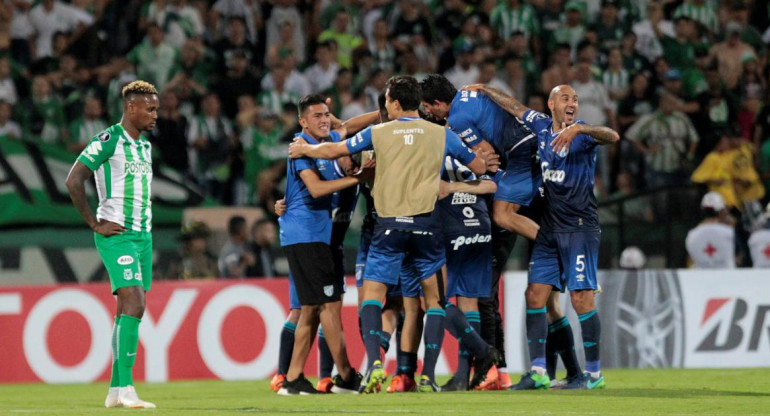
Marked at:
<point>128,339</point>
<point>114,379</point>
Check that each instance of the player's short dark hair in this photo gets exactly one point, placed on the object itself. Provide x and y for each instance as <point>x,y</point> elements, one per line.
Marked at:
<point>406,90</point>
<point>308,101</point>
<point>435,87</point>
<point>236,224</point>
<point>259,223</point>
<point>381,101</point>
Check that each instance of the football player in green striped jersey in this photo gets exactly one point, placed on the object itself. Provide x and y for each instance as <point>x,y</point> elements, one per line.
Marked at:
<point>120,160</point>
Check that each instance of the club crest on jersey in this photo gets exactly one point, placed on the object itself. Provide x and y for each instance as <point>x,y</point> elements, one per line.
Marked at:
<point>329,290</point>
<point>127,274</point>
<point>125,260</point>
<point>104,136</point>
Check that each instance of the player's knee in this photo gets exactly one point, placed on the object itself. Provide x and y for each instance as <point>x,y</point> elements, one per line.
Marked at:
<point>293,316</point>
<point>554,308</point>
<point>535,298</point>
<point>582,301</point>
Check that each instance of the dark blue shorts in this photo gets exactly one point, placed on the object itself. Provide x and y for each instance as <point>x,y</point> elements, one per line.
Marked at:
<point>363,252</point>
<point>469,265</point>
<point>565,260</point>
<point>521,179</point>
<point>420,253</point>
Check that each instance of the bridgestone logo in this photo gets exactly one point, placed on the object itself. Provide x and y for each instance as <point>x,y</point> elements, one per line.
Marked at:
<point>135,168</point>
<point>462,240</point>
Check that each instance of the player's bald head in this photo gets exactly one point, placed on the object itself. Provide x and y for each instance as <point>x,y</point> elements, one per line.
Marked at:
<point>564,88</point>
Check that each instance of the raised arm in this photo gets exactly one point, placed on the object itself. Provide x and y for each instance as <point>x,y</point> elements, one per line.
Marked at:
<point>600,134</point>
<point>358,123</point>
<point>477,187</point>
<point>505,101</point>
<point>327,150</point>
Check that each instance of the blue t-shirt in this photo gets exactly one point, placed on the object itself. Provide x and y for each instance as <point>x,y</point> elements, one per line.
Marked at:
<point>568,178</point>
<point>462,213</point>
<point>454,147</point>
<point>475,117</point>
<point>307,219</point>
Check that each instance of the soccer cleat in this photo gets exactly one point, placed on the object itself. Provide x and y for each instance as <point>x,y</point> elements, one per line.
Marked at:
<point>482,364</point>
<point>277,382</point>
<point>594,382</point>
<point>325,385</point>
<point>575,382</point>
<point>456,384</point>
<point>341,386</point>
<point>490,380</point>
<point>301,386</point>
<point>112,398</point>
<point>128,398</point>
<point>427,385</point>
<point>503,380</point>
<point>402,383</point>
<point>533,381</point>
<point>371,381</point>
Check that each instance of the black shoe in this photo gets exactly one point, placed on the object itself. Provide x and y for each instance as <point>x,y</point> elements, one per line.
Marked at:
<point>456,384</point>
<point>300,386</point>
<point>482,364</point>
<point>347,387</point>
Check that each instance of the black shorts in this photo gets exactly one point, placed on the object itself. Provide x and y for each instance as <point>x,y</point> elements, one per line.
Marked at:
<point>312,267</point>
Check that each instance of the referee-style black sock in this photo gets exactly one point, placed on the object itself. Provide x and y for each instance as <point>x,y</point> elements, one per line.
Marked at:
<point>371,326</point>
<point>325,358</point>
<point>286,347</point>
<point>537,333</point>
<point>434,337</point>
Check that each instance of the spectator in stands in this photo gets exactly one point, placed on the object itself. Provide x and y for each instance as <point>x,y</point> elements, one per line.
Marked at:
<point>700,11</point>
<point>382,48</point>
<point>609,27</point>
<point>154,58</point>
<point>235,257</point>
<point>179,21</point>
<point>560,72</point>
<point>345,41</point>
<point>514,78</point>
<point>752,90</point>
<point>42,114</point>
<point>7,84</point>
<point>356,107</point>
<point>719,112</point>
<point>169,137</point>
<point>411,26</point>
<point>195,261</point>
<point>634,209</point>
<point>667,138</point>
<point>759,242</point>
<point>729,55</point>
<point>238,80</point>
<point>374,86</point>
<point>8,127</point>
<point>52,16</point>
<point>572,30</point>
<point>341,91</point>
<point>615,78</point>
<point>739,13</point>
<point>679,50</point>
<point>321,75</point>
<point>633,62</point>
<point>249,11</point>
<point>466,70</point>
<point>513,16</point>
<point>276,94</point>
<point>263,235</point>
<point>211,138</point>
<point>488,75</point>
<point>286,11</point>
<point>84,128</point>
<point>647,40</point>
<point>195,67</point>
<point>236,42</point>
<point>711,244</point>
<point>21,31</point>
<point>284,47</point>
<point>637,103</point>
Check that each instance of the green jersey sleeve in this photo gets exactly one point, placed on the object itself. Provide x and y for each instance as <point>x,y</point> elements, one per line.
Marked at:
<point>99,149</point>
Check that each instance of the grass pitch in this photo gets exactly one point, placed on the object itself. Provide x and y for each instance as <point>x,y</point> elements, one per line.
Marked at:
<point>629,392</point>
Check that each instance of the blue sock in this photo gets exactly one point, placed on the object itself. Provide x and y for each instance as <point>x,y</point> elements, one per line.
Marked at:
<point>465,356</point>
<point>326,360</point>
<point>592,332</point>
<point>537,332</point>
<point>565,342</point>
<point>371,326</point>
<point>466,335</point>
<point>434,337</point>
<point>286,347</point>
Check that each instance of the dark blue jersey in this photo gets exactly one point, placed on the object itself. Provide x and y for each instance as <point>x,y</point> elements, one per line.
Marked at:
<point>568,178</point>
<point>475,117</point>
<point>462,213</point>
<point>307,219</point>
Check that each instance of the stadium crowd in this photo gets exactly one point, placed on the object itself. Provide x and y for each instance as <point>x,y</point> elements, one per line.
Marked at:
<point>684,82</point>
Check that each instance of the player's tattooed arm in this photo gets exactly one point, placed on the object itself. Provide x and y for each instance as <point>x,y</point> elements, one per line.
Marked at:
<point>600,134</point>
<point>505,101</point>
<point>76,184</point>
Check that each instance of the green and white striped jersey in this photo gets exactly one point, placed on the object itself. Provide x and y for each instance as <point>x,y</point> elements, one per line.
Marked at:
<point>507,21</point>
<point>122,169</point>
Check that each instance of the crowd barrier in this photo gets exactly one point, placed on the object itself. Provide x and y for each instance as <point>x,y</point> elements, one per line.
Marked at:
<point>230,330</point>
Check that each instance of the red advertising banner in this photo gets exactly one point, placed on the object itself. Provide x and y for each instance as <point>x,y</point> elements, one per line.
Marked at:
<point>190,330</point>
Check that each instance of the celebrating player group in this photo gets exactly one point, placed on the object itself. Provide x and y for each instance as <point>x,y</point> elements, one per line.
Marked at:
<point>449,179</point>
<point>447,188</point>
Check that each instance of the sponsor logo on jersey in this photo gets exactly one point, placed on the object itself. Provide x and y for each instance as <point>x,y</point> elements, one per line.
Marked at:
<point>93,149</point>
<point>472,223</point>
<point>462,240</point>
<point>462,198</point>
<point>358,138</point>
<point>533,115</point>
<point>581,277</point>
<point>552,175</point>
<point>464,95</point>
<point>104,136</point>
<point>138,276</point>
<point>408,220</point>
<point>125,260</point>
<point>136,168</point>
